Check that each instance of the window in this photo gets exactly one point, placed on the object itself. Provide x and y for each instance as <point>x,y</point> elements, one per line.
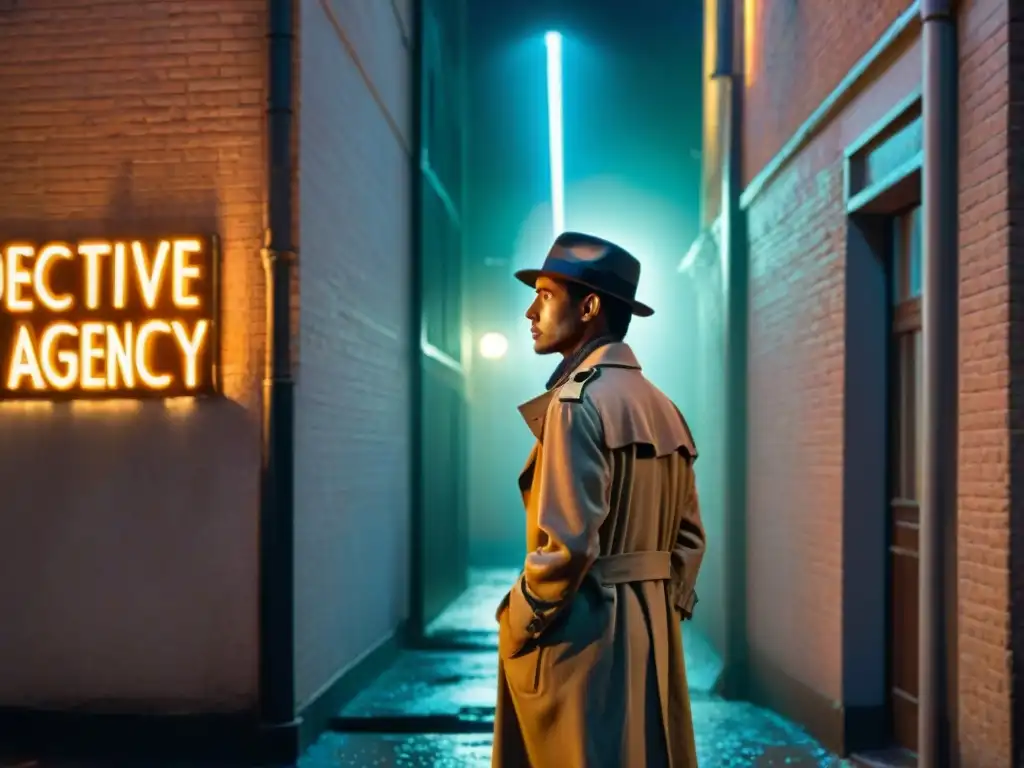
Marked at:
<point>441,179</point>
<point>906,284</point>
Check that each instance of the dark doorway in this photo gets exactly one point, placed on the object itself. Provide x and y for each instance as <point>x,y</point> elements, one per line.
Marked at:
<point>905,492</point>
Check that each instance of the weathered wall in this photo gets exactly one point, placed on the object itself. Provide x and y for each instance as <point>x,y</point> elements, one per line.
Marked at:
<point>795,382</point>
<point>352,399</point>
<point>797,262</point>
<point>985,384</point>
<point>797,231</point>
<point>128,532</point>
<point>796,54</point>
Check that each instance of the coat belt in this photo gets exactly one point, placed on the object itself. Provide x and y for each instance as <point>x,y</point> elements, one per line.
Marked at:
<point>632,567</point>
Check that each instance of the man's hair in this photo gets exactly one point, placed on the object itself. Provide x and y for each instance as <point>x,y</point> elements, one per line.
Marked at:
<point>617,313</point>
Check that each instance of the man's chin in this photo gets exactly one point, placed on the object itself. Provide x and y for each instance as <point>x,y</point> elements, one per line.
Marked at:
<point>540,348</point>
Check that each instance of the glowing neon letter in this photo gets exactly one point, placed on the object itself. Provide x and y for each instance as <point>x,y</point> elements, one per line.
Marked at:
<point>48,357</point>
<point>17,276</point>
<point>41,277</point>
<point>24,361</point>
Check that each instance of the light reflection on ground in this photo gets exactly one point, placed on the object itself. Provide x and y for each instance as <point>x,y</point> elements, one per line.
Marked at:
<point>454,691</point>
<point>435,708</point>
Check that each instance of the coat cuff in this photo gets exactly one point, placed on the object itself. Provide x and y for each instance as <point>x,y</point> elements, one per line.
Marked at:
<point>684,600</point>
<point>528,616</point>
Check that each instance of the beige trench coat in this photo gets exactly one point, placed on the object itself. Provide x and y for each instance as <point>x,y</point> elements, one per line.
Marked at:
<point>590,671</point>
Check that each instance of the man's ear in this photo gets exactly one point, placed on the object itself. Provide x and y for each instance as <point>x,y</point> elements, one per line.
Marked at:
<point>591,307</point>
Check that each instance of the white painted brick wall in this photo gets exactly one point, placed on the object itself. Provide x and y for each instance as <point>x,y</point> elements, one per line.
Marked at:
<point>352,527</point>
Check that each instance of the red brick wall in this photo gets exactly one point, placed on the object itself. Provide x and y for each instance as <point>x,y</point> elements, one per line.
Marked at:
<point>796,390</point>
<point>984,491</point>
<point>796,366</point>
<point>795,375</point>
<point>798,54</point>
<point>352,440</point>
<point>128,532</point>
<point>1015,34</point>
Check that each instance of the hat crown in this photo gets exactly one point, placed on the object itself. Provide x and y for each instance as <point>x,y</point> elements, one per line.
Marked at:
<point>594,262</point>
<point>597,255</point>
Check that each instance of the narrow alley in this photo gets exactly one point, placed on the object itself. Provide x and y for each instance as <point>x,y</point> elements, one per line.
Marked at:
<point>274,323</point>
<point>435,707</point>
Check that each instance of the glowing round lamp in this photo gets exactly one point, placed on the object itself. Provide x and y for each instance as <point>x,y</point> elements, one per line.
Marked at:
<point>493,346</point>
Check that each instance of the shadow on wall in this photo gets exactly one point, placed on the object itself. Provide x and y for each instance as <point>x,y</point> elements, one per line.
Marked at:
<point>129,530</point>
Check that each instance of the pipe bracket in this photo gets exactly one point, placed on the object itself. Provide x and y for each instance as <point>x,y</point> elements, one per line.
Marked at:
<point>935,10</point>
<point>272,256</point>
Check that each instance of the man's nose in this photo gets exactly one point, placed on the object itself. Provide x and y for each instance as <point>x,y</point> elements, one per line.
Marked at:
<point>531,312</point>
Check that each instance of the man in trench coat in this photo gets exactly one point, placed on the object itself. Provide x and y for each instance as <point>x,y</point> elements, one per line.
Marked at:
<point>591,671</point>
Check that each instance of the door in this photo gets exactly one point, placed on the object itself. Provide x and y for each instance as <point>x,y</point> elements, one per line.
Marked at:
<point>904,513</point>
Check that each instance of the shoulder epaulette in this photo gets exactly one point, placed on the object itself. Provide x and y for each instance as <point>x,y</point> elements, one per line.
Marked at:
<point>572,390</point>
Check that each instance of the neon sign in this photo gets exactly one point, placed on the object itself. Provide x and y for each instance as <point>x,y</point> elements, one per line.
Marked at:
<point>108,318</point>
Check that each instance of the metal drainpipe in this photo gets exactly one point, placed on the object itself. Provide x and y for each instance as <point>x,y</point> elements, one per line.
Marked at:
<point>734,255</point>
<point>937,718</point>
<point>277,496</point>
<point>417,608</point>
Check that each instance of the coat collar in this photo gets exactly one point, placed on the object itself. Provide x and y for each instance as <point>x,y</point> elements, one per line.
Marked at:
<point>533,412</point>
<point>617,355</point>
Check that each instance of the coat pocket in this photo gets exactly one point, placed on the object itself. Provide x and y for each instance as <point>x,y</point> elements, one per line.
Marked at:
<point>524,670</point>
<point>537,666</point>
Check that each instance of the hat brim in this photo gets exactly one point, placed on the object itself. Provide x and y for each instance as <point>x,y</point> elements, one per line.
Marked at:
<point>529,277</point>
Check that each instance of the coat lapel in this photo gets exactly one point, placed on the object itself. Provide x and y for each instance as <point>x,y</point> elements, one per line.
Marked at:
<point>533,413</point>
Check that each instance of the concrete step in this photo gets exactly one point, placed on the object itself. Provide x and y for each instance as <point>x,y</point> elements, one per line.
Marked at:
<point>888,758</point>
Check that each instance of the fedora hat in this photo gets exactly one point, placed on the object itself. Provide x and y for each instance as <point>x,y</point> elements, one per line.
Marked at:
<point>590,261</point>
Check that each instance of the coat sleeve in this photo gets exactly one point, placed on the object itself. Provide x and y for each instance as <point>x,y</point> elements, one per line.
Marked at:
<point>573,500</point>
<point>688,551</point>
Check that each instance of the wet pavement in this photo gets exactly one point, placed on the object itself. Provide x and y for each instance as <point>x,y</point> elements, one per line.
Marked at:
<point>434,708</point>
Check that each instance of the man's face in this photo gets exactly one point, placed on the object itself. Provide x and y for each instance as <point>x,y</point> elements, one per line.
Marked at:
<point>556,321</point>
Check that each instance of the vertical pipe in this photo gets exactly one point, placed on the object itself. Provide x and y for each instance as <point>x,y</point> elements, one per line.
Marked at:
<point>734,283</point>
<point>277,496</point>
<point>466,347</point>
<point>725,30</point>
<point>937,720</point>
<point>417,610</point>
